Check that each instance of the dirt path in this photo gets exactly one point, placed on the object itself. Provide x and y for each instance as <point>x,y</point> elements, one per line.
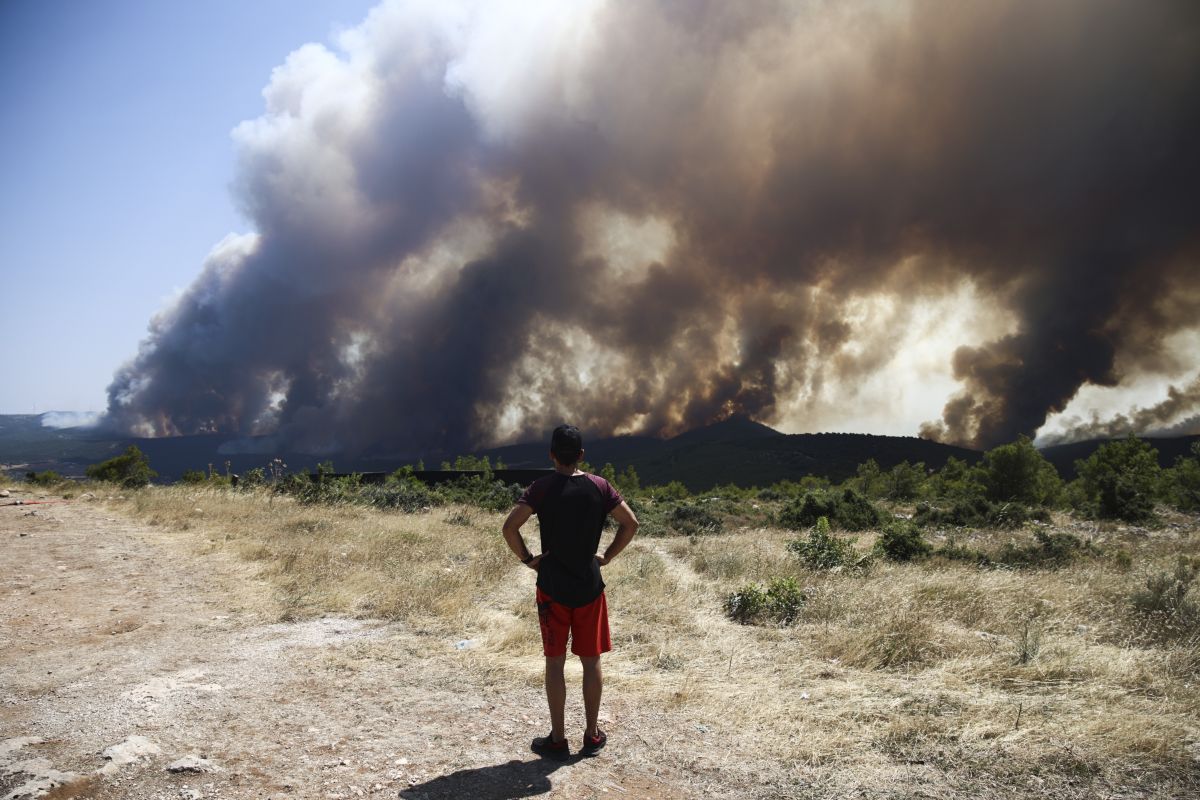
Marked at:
<point>122,652</point>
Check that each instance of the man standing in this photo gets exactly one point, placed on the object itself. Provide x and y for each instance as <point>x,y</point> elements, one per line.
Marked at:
<point>571,507</point>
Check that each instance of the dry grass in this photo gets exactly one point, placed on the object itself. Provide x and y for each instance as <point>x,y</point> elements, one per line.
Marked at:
<point>1003,682</point>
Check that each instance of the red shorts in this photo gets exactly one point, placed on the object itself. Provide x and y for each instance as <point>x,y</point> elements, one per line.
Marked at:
<point>587,625</point>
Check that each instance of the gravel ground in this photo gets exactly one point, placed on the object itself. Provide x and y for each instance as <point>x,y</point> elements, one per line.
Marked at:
<point>130,667</point>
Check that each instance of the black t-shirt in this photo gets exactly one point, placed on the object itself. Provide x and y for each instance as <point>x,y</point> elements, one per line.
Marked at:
<point>571,511</point>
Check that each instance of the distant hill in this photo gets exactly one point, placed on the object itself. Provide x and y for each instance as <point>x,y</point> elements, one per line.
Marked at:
<point>746,453</point>
<point>1064,456</point>
<point>737,450</point>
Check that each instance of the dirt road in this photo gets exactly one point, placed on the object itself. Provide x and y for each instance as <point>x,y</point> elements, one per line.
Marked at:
<point>132,667</point>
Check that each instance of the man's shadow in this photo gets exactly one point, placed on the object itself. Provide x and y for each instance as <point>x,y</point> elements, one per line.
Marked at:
<point>500,782</point>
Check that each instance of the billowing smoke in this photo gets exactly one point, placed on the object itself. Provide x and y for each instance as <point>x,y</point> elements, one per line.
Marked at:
<point>1160,419</point>
<point>475,220</point>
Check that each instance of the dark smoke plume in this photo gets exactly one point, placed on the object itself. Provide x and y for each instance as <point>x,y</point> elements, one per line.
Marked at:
<point>445,208</point>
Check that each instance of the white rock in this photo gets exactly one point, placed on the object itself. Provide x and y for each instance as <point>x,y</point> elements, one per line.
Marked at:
<point>127,752</point>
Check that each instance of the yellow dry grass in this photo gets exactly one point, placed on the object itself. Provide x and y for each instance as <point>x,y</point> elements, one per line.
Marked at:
<point>1003,676</point>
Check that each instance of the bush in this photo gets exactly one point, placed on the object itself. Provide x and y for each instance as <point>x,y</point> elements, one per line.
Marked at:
<point>1121,479</point>
<point>409,496</point>
<point>45,478</point>
<point>1182,482</point>
<point>978,512</point>
<point>478,491</point>
<point>823,550</point>
<point>131,469</point>
<point>781,603</point>
<point>253,477</point>
<point>693,519</point>
<point>902,541</point>
<point>748,605</point>
<point>848,510</point>
<point>193,476</point>
<point>672,491</point>
<point>1018,473</point>
<point>1168,603</point>
<point>1048,550</point>
<point>953,551</point>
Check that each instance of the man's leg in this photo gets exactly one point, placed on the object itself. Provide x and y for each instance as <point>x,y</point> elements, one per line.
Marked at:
<point>556,695</point>
<point>593,684</point>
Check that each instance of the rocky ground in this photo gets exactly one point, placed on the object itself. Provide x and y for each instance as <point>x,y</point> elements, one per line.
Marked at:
<point>132,667</point>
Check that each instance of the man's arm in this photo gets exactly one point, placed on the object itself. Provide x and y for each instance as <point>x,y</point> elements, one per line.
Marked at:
<point>512,534</point>
<point>627,526</point>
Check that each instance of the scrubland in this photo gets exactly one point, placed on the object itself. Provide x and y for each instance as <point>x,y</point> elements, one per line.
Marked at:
<point>933,677</point>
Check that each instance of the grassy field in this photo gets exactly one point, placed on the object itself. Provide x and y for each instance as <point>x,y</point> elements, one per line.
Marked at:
<point>1003,682</point>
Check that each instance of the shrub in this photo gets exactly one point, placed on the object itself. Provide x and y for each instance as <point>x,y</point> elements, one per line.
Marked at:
<point>1048,550</point>
<point>410,496</point>
<point>1018,473</point>
<point>848,510</point>
<point>672,491</point>
<point>1121,479</point>
<point>193,476</point>
<point>823,550</point>
<point>693,519</point>
<point>781,602</point>
<point>902,541</point>
<point>479,491</point>
<point>953,551</point>
<point>956,480</point>
<point>253,477</point>
<point>1182,482</point>
<point>978,512</point>
<point>45,478</point>
<point>1168,602</point>
<point>130,469</point>
<point>747,605</point>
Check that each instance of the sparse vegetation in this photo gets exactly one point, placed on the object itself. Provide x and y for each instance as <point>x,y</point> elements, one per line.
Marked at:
<point>985,621</point>
<point>901,540</point>
<point>847,510</point>
<point>45,478</point>
<point>131,469</point>
<point>823,550</point>
<point>780,602</point>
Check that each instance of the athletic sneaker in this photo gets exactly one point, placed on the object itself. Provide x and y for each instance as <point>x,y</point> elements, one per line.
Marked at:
<point>546,747</point>
<point>593,743</point>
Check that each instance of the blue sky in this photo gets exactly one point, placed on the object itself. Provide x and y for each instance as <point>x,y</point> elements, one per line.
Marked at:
<point>117,162</point>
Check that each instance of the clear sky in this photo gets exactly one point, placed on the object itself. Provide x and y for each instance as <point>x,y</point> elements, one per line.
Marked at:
<point>116,162</point>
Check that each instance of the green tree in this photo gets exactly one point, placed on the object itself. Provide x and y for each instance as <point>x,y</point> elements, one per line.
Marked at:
<point>672,491</point>
<point>904,481</point>
<point>957,480</point>
<point>870,478</point>
<point>130,469</point>
<point>609,473</point>
<point>627,482</point>
<point>1121,478</point>
<point>1019,473</point>
<point>1182,481</point>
